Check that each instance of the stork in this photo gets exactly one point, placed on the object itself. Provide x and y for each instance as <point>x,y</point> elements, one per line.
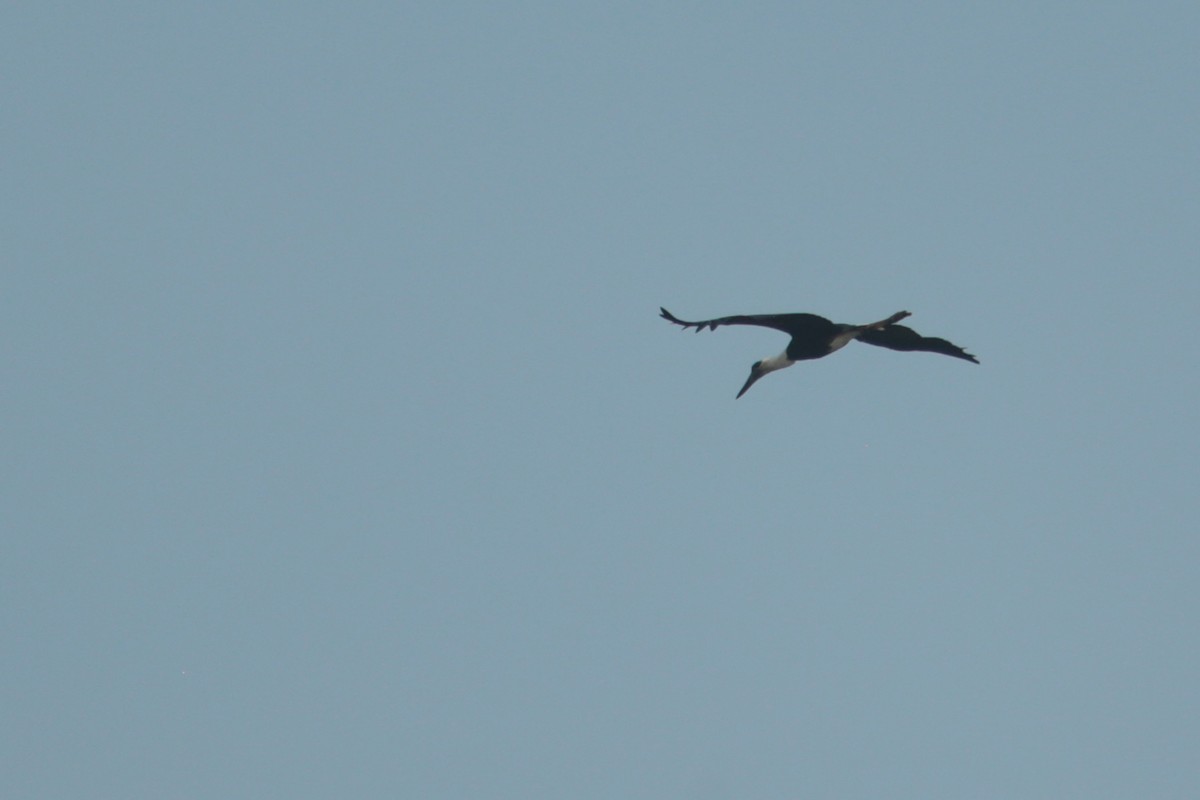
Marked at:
<point>816,337</point>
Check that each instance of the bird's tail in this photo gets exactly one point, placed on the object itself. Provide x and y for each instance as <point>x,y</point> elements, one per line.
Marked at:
<point>892,320</point>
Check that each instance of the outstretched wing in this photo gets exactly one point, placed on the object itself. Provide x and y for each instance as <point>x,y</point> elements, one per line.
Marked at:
<point>898,337</point>
<point>788,323</point>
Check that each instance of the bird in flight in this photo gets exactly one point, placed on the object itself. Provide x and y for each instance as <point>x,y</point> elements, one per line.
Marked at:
<point>815,337</point>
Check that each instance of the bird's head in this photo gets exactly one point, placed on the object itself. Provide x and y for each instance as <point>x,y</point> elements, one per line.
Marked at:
<point>756,372</point>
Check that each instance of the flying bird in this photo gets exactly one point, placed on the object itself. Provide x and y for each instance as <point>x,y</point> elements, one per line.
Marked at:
<point>815,337</point>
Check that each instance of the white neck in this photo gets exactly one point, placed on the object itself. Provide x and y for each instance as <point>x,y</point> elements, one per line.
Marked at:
<point>776,362</point>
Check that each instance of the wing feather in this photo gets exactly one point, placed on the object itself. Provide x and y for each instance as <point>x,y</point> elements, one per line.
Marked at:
<point>899,337</point>
<point>788,323</point>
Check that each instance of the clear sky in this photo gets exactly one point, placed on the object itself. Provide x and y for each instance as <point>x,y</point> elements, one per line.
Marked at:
<point>345,454</point>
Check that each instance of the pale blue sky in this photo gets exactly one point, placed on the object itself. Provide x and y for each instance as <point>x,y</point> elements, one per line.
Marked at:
<point>346,455</point>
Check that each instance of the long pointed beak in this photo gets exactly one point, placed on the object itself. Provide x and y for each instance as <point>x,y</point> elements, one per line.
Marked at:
<point>754,375</point>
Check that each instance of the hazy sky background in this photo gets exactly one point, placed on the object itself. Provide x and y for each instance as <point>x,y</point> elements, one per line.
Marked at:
<point>345,454</point>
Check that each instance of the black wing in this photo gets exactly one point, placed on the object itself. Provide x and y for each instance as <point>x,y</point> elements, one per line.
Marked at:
<point>898,337</point>
<point>788,323</point>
